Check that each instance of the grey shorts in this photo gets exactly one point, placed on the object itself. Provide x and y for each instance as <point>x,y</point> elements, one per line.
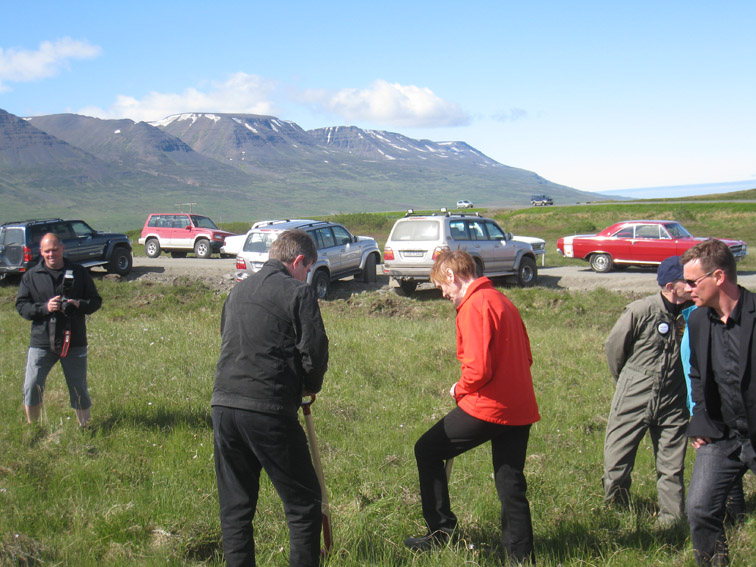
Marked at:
<point>40,361</point>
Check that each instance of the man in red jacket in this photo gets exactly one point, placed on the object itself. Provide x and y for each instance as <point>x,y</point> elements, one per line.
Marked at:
<point>495,402</point>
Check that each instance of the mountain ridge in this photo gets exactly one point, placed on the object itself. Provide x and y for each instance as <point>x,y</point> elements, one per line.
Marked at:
<point>241,167</point>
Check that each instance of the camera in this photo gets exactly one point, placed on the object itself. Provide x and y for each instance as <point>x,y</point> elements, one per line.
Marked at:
<point>68,280</point>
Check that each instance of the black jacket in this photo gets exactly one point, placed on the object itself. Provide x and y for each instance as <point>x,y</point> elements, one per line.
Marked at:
<point>274,344</point>
<point>707,418</point>
<point>38,285</point>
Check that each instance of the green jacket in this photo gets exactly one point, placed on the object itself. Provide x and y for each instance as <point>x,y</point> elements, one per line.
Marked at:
<point>643,352</point>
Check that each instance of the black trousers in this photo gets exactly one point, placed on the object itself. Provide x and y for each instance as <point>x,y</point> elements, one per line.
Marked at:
<point>456,433</point>
<point>245,443</point>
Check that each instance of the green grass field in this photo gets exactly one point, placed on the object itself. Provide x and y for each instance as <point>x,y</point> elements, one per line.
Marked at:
<point>138,486</point>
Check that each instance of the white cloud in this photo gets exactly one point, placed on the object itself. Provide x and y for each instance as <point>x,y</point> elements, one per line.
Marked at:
<point>513,115</point>
<point>24,65</point>
<point>240,93</point>
<point>391,104</point>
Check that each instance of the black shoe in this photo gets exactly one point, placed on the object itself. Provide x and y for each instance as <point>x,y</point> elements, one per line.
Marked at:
<point>429,541</point>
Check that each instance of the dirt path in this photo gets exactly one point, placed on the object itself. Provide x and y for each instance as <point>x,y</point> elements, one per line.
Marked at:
<point>218,273</point>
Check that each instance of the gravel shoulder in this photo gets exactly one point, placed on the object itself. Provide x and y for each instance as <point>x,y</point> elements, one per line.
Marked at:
<point>219,273</point>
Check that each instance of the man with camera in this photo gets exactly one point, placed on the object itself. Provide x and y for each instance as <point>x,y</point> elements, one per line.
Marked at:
<point>55,295</point>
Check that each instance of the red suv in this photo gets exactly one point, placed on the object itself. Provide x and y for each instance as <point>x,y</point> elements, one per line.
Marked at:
<point>179,233</point>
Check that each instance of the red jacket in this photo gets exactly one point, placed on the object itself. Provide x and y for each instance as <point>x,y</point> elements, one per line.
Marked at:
<point>494,349</point>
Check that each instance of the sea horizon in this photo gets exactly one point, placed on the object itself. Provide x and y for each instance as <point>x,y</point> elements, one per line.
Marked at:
<point>676,191</point>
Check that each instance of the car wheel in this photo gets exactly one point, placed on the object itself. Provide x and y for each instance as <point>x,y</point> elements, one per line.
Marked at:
<point>527,273</point>
<point>152,248</point>
<point>368,274</point>
<point>601,263</point>
<point>321,283</point>
<point>202,248</point>
<point>408,287</point>
<point>478,268</point>
<point>178,254</point>
<point>120,262</point>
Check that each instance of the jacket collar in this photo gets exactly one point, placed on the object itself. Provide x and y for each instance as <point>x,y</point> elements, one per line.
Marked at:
<point>478,283</point>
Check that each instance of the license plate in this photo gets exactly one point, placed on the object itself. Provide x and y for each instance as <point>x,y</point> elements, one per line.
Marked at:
<point>414,253</point>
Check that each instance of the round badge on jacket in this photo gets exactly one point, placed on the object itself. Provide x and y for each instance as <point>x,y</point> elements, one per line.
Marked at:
<point>663,328</point>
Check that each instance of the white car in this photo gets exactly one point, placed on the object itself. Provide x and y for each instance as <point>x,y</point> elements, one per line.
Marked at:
<point>340,253</point>
<point>538,244</point>
<point>232,244</point>
<point>415,241</point>
<point>464,204</point>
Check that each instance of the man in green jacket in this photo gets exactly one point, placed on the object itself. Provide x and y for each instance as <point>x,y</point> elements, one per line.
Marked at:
<point>643,352</point>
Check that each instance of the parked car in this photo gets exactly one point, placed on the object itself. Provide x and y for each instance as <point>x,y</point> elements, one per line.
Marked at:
<point>340,254</point>
<point>541,200</point>
<point>180,233</point>
<point>19,245</point>
<point>538,244</point>
<point>464,204</point>
<point>636,243</point>
<point>416,240</point>
<point>232,245</point>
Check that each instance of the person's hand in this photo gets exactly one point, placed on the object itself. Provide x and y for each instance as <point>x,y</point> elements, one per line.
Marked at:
<point>699,442</point>
<point>74,302</point>
<point>452,390</point>
<point>53,304</point>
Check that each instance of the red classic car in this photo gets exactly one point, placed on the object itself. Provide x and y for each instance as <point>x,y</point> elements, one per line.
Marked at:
<point>636,243</point>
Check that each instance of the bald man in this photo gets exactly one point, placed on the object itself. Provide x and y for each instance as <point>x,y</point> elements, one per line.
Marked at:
<point>56,295</point>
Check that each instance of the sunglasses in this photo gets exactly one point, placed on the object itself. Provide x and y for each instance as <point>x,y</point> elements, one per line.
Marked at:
<point>694,283</point>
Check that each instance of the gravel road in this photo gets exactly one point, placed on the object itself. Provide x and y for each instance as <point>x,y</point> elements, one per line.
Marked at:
<point>219,274</point>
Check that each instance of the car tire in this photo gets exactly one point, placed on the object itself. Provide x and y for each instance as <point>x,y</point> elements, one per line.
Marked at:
<point>601,263</point>
<point>527,273</point>
<point>478,268</point>
<point>178,254</point>
<point>120,261</point>
<point>321,283</point>
<point>368,274</point>
<point>202,248</point>
<point>407,287</point>
<point>152,248</point>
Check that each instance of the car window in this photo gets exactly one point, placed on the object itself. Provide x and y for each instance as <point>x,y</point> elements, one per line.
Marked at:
<point>494,232</point>
<point>676,230</point>
<point>203,222</point>
<point>325,238</point>
<point>81,229</point>
<point>37,232</point>
<point>154,221</point>
<point>342,235</point>
<point>626,232</point>
<point>647,231</point>
<point>416,230</point>
<point>477,232</point>
<point>458,230</point>
<point>166,221</point>
<point>13,236</point>
<point>259,242</point>
<point>63,230</point>
<point>181,221</point>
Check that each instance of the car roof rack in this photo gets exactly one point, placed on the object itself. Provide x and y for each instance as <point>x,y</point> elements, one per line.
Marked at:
<point>32,221</point>
<point>443,213</point>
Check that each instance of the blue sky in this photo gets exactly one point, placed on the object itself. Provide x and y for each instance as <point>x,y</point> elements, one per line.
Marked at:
<point>594,95</point>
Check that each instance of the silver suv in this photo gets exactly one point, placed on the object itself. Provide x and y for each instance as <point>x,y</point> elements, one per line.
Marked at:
<point>416,240</point>
<point>340,254</point>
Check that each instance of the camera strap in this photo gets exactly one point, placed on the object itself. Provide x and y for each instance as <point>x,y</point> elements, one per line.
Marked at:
<point>66,343</point>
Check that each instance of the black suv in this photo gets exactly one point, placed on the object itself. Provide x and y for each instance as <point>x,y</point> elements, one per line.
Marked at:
<point>19,245</point>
